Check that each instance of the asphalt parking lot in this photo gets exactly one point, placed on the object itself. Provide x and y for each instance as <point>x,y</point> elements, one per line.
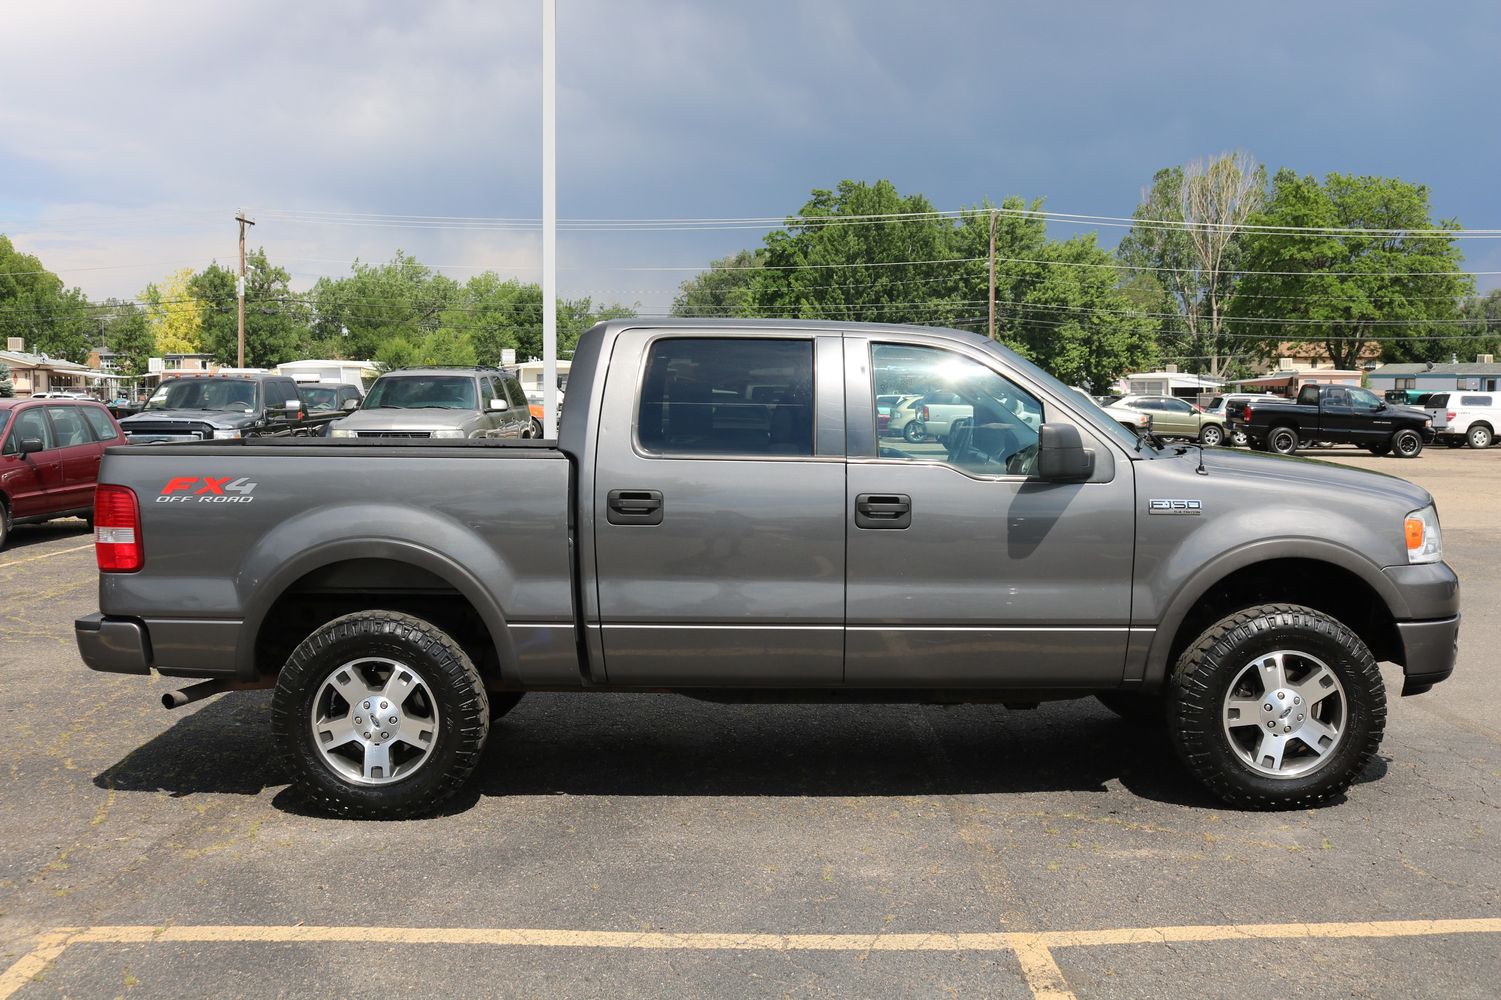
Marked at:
<point>657,846</point>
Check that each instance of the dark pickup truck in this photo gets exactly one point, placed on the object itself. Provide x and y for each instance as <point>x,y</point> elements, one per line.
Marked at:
<point>720,518</point>
<point>223,407</point>
<point>1334,414</point>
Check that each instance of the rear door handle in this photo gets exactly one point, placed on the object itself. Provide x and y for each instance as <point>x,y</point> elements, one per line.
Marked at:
<point>634,507</point>
<point>883,510</point>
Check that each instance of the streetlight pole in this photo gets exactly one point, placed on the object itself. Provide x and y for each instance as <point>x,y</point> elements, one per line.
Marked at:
<point>549,219</point>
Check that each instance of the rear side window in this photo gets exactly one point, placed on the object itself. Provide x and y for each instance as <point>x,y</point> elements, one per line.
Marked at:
<point>751,397</point>
<point>1474,401</point>
<point>68,425</point>
<point>99,420</point>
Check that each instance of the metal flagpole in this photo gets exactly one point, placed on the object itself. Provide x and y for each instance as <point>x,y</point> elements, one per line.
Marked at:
<point>549,219</point>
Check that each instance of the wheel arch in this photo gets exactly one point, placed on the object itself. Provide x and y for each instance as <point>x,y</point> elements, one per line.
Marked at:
<point>1321,575</point>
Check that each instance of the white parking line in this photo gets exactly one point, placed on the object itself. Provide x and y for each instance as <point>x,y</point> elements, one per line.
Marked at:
<point>45,555</point>
<point>1033,951</point>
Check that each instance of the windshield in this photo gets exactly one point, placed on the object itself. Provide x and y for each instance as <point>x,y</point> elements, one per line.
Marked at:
<point>413,392</point>
<point>320,400</point>
<point>204,394</point>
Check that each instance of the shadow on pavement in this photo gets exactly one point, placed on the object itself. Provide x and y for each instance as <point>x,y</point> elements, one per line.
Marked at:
<point>649,745</point>
<point>26,536</point>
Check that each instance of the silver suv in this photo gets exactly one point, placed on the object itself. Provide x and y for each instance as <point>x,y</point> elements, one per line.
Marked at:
<point>440,403</point>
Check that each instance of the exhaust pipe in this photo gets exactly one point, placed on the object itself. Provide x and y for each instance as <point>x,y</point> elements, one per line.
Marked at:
<point>196,692</point>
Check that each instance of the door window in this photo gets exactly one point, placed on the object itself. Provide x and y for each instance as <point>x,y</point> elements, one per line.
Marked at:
<point>68,425</point>
<point>32,423</point>
<point>751,397</point>
<point>992,424</point>
<point>1362,397</point>
<point>99,421</point>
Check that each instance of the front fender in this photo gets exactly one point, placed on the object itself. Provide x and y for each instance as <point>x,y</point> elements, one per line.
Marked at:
<point>431,541</point>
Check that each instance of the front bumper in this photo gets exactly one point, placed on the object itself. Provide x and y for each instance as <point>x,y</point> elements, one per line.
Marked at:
<point>1430,650</point>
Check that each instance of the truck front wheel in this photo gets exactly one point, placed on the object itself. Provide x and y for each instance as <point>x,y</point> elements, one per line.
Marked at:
<point>1407,444</point>
<point>1277,707</point>
<point>1283,440</point>
<point>380,716</point>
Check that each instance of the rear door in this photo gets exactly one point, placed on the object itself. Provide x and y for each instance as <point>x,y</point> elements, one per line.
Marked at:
<point>963,569</point>
<point>78,450</point>
<point>33,482</point>
<point>719,512</point>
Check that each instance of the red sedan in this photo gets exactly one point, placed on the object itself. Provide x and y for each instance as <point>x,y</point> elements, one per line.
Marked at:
<point>49,458</point>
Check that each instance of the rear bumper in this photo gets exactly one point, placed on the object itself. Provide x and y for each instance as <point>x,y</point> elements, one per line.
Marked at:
<point>173,647</point>
<point>1430,649</point>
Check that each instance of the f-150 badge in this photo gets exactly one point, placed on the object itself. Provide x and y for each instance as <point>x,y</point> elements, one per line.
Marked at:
<point>1174,507</point>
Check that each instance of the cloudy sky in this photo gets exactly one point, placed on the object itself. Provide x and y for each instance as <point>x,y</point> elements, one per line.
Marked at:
<point>131,132</point>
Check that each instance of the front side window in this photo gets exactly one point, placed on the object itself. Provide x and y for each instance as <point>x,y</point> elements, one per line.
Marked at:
<point>422,392</point>
<point>749,397</point>
<point>32,423</point>
<point>968,416</point>
<point>1362,397</point>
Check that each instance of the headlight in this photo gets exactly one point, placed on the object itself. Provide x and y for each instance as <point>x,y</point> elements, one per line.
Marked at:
<point>1425,541</point>
<point>223,434</point>
<point>341,432</point>
<point>449,432</point>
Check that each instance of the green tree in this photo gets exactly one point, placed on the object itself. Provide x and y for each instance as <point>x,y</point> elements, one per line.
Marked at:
<point>1389,278</point>
<point>496,314</point>
<point>174,315</point>
<point>128,335</point>
<point>354,315</point>
<point>7,388</point>
<point>276,318</point>
<point>446,347</point>
<point>725,289</point>
<point>396,352</point>
<point>37,307</point>
<point>1480,317</point>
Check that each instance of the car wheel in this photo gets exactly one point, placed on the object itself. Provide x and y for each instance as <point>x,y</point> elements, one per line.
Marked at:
<point>1277,707</point>
<point>1407,444</point>
<point>1211,435</point>
<point>501,703</point>
<point>1133,706</point>
<point>1379,450</point>
<point>1239,439</point>
<point>915,432</point>
<point>534,429</point>
<point>4,523</point>
<point>1480,436</point>
<point>380,716</point>
<point>1283,440</point>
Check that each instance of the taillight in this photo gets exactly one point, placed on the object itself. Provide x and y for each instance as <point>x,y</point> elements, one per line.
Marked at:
<point>117,530</point>
<point>925,414</point>
<point>1246,413</point>
<point>1449,415</point>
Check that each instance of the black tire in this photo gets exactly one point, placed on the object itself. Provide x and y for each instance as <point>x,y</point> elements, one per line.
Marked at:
<point>458,700</point>
<point>501,703</point>
<point>4,523</point>
<point>1239,439</point>
<point>1133,706</point>
<point>1282,440</point>
<point>915,432</point>
<point>536,428</point>
<point>1480,436</point>
<point>1201,687</point>
<point>1379,450</point>
<point>1211,435</point>
<point>1407,444</point>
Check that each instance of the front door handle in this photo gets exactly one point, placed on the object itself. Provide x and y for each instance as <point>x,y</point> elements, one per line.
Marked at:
<point>634,507</point>
<point>883,510</point>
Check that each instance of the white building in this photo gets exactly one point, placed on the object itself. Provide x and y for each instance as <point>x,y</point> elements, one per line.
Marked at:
<point>1169,382</point>
<point>360,373</point>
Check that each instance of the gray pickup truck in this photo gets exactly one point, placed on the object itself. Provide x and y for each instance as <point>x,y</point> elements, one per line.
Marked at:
<point>720,518</point>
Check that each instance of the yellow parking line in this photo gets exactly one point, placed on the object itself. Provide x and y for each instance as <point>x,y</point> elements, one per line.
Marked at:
<point>45,555</point>
<point>1033,951</point>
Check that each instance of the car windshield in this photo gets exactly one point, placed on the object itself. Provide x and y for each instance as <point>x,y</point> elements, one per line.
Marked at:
<point>320,399</point>
<point>412,392</point>
<point>204,394</point>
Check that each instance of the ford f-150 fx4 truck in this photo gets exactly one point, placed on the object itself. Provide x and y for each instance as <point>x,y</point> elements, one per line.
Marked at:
<point>719,518</point>
<point>1335,414</point>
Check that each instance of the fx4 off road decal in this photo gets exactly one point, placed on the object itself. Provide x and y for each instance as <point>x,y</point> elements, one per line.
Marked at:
<point>207,489</point>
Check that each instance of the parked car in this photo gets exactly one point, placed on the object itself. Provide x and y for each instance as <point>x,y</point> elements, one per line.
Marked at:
<point>904,411</point>
<point>1407,397</point>
<point>1138,421</point>
<point>440,403</point>
<point>1336,414</point>
<point>220,407</point>
<point>1461,418</point>
<point>1177,418</point>
<point>49,458</point>
<point>679,536</point>
<point>1224,406</point>
<point>535,405</point>
<point>932,414</point>
<point>330,397</point>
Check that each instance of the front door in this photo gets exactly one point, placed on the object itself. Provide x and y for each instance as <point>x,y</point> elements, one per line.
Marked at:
<point>963,569</point>
<point>34,482</point>
<point>719,512</point>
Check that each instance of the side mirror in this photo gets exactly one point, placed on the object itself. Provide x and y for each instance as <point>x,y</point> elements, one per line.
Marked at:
<point>350,405</point>
<point>1061,455</point>
<point>294,407</point>
<point>29,445</point>
<point>499,406</point>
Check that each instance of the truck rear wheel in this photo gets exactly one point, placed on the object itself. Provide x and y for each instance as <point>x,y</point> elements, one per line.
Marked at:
<point>1480,436</point>
<point>1277,707</point>
<point>1283,440</point>
<point>1407,444</point>
<point>380,716</point>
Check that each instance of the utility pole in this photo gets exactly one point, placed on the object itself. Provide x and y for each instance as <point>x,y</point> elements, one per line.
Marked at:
<point>992,274</point>
<point>549,219</point>
<point>240,285</point>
